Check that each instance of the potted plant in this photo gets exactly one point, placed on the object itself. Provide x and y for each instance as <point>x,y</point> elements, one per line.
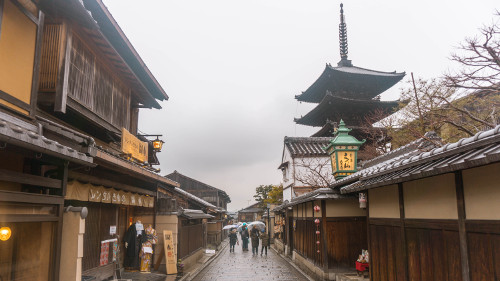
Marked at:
<point>180,266</point>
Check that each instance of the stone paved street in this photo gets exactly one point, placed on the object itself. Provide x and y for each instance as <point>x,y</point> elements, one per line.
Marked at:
<point>242,266</point>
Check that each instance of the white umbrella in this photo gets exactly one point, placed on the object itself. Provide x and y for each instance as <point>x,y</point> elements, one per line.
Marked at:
<point>229,226</point>
<point>260,225</point>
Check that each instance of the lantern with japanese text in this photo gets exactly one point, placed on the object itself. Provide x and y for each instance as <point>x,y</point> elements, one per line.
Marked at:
<point>343,151</point>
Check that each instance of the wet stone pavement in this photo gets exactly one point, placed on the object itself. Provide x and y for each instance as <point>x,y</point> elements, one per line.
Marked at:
<point>242,266</point>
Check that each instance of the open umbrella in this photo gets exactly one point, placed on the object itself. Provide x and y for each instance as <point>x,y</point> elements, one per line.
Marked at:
<point>229,226</point>
<point>258,224</point>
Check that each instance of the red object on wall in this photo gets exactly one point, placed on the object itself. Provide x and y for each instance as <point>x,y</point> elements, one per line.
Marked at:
<point>361,266</point>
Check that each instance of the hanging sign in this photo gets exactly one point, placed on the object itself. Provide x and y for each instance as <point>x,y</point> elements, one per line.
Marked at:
<point>112,229</point>
<point>168,243</point>
<point>136,148</point>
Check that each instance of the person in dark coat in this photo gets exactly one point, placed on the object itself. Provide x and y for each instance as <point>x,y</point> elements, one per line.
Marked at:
<point>254,235</point>
<point>244,237</point>
<point>133,243</point>
<point>265,241</point>
<point>233,239</point>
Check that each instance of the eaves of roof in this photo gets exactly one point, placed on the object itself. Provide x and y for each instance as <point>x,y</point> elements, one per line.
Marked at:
<point>481,149</point>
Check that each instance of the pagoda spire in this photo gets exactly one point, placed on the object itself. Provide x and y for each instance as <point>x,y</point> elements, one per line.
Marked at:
<point>343,40</point>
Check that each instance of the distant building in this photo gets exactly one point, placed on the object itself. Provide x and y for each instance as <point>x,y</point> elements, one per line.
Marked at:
<point>212,195</point>
<point>347,92</point>
<point>250,213</point>
<point>305,166</point>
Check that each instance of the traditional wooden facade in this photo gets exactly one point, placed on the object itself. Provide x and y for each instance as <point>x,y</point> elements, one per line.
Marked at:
<point>433,213</point>
<point>71,86</point>
<point>347,92</point>
<point>341,226</point>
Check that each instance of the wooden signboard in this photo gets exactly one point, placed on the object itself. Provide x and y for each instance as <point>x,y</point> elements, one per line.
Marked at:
<point>168,244</point>
<point>133,146</point>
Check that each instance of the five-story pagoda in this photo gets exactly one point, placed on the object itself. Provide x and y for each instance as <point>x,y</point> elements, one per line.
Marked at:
<point>347,92</point>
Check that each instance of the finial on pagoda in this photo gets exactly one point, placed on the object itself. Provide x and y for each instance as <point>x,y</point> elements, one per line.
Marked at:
<point>343,40</point>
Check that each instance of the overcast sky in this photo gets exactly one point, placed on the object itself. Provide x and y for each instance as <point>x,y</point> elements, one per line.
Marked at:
<point>232,68</point>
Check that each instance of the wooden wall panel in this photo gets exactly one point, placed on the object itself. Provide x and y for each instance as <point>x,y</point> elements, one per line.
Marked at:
<point>433,254</point>
<point>386,255</point>
<point>484,256</point>
<point>346,238</point>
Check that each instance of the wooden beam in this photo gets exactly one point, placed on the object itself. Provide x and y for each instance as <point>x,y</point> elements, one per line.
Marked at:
<point>36,65</point>
<point>12,196</point>
<point>11,176</point>
<point>462,231</point>
<point>27,218</point>
<point>368,238</point>
<point>323,235</point>
<point>404,253</point>
<point>63,72</point>
<point>108,183</point>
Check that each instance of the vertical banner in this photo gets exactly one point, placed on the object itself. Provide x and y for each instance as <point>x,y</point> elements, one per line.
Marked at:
<point>168,243</point>
<point>104,253</point>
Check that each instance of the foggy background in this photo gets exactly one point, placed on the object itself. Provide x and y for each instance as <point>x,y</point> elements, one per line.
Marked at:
<point>232,68</point>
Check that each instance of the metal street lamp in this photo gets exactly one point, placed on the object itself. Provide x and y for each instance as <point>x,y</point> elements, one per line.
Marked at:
<point>343,151</point>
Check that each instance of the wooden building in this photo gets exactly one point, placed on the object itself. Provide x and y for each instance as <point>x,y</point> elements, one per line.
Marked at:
<point>213,196</point>
<point>251,213</point>
<point>433,214</point>
<point>71,86</point>
<point>347,92</point>
<point>342,232</point>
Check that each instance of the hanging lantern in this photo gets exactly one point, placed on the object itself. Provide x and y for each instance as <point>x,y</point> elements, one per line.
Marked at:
<point>317,242</point>
<point>362,200</point>
<point>317,251</point>
<point>316,221</point>
<point>317,232</point>
<point>343,151</point>
<point>157,144</point>
<point>317,209</point>
<point>5,233</point>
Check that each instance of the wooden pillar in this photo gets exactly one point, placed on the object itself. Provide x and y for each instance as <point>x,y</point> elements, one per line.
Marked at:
<point>63,174</point>
<point>462,233</point>
<point>368,240</point>
<point>323,235</point>
<point>404,251</point>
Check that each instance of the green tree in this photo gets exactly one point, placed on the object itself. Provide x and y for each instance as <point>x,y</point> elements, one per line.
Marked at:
<point>275,196</point>
<point>265,194</point>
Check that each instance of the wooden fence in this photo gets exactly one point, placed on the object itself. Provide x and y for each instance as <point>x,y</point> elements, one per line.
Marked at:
<point>190,239</point>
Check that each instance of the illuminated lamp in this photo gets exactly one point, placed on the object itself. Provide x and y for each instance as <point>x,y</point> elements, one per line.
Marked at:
<point>5,233</point>
<point>157,144</point>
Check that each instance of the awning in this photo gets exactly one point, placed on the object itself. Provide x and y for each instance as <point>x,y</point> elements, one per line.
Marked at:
<point>97,193</point>
<point>195,214</point>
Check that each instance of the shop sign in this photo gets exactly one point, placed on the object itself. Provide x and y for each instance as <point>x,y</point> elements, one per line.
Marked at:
<point>168,243</point>
<point>112,230</point>
<point>132,145</point>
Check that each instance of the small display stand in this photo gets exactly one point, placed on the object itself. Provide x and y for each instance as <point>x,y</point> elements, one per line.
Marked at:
<point>361,267</point>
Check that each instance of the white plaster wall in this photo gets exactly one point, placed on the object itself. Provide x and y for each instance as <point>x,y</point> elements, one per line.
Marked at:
<point>287,193</point>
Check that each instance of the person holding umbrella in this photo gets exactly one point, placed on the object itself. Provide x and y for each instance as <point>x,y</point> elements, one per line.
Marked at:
<point>265,241</point>
<point>233,239</point>
<point>254,235</point>
<point>244,237</point>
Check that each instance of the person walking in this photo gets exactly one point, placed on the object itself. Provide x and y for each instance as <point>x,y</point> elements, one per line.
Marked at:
<point>244,237</point>
<point>254,235</point>
<point>265,241</point>
<point>233,239</point>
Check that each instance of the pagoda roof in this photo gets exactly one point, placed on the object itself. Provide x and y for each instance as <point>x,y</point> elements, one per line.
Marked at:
<point>350,110</point>
<point>350,81</point>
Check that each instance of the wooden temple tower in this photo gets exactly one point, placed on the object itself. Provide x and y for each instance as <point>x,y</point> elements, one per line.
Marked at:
<point>347,92</point>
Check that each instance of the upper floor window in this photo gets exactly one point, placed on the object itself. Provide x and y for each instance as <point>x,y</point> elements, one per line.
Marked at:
<point>92,85</point>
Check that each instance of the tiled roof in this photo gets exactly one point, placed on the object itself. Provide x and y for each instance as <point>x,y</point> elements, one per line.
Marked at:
<point>318,194</point>
<point>197,199</point>
<point>431,140</point>
<point>24,137</point>
<point>481,149</point>
<point>307,146</point>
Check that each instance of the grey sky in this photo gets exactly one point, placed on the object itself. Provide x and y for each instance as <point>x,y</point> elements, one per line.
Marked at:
<point>232,69</point>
